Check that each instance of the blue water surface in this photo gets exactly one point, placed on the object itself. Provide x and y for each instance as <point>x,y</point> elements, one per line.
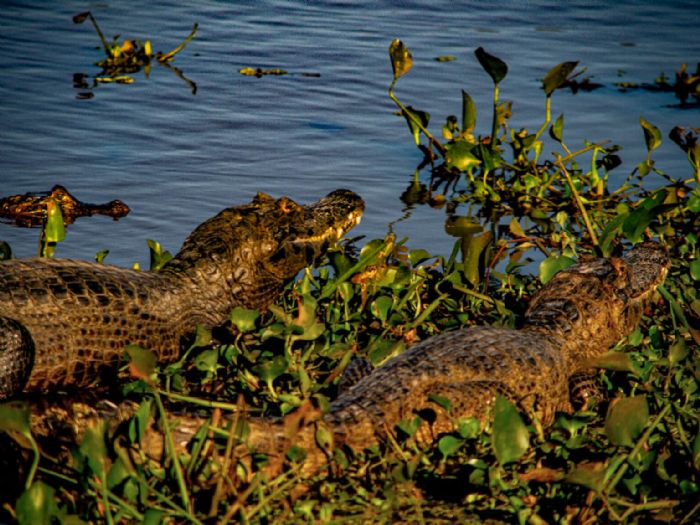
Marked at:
<point>177,158</point>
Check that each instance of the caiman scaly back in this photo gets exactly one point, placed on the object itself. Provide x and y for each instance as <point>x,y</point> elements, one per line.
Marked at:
<point>63,322</point>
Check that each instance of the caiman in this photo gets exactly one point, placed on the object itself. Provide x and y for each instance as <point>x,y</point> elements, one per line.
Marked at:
<point>576,316</point>
<point>30,209</point>
<point>63,322</point>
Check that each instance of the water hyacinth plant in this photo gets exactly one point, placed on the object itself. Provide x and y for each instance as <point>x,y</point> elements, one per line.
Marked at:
<point>630,454</point>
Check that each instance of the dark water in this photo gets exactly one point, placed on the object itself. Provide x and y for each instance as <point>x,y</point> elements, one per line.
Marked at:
<point>177,158</point>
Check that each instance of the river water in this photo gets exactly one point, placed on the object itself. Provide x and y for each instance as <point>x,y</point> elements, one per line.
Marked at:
<point>177,158</point>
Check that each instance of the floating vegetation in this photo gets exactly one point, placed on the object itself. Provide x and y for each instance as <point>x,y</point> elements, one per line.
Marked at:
<point>260,72</point>
<point>127,57</point>
<point>628,455</point>
<point>685,86</point>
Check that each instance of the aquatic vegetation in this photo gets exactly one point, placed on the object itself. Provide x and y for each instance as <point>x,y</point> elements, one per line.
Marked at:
<point>629,455</point>
<point>275,72</point>
<point>128,57</point>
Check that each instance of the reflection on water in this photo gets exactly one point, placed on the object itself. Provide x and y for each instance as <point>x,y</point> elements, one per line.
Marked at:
<point>177,159</point>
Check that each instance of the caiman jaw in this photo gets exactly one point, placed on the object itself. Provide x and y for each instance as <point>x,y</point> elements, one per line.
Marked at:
<point>333,233</point>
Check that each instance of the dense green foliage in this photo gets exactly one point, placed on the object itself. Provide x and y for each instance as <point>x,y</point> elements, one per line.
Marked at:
<point>631,456</point>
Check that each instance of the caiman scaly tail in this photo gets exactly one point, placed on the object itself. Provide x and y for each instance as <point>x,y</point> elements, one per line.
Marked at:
<point>64,322</point>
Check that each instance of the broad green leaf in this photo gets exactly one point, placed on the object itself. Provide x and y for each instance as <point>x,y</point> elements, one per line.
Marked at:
<point>401,59</point>
<point>94,449</point>
<point>626,419</point>
<point>324,438</point>
<point>510,436</point>
<point>449,444</point>
<point>638,220</point>
<point>142,362</point>
<point>694,268</point>
<point>441,401</point>
<point>419,255</point>
<point>153,517</point>
<point>473,247</point>
<point>271,369</point>
<point>458,226</point>
<point>244,319</point>
<point>678,350</point>
<point>612,229</point>
<point>468,113</point>
<point>557,129</point>
<point>652,134</point>
<point>553,264</point>
<point>494,66</point>
<point>14,417</point>
<point>468,427</point>
<point>54,230</point>
<point>380,307</point>
<point>158,256</point>
<point>557,76</point>
<point>37,505</point>
<point>459,155</point>
<point>100,256</point>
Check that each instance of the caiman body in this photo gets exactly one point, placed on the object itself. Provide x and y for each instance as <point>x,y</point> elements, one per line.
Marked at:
<point>63,322</point>
<point>578,315</point>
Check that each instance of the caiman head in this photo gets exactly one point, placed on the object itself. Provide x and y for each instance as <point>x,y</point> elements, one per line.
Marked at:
<point>257,247</point>
<point>595,303</point>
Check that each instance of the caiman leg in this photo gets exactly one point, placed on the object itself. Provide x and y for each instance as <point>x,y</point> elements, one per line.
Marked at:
<point>16,357</point>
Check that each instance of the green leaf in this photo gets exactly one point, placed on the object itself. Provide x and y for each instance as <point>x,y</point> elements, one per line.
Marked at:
<point>244,319</point>
<point>637,221</point>
<point>449,444</point>
<point>694,268</point>
<point>158,256</point>
<point>557,129</point>
<point>380,307</point>
<point>324,439</point>
<point>401,59</point>
<point>55,230</point>
<point>418,255</point>
<point>557,76</point>
<point>459,155</point>
<point>473,247</point>
<point>626,419</point>
<point>142,364</point>
<point>441,401</point>
<point>458,226</point>
<point>510,436</point>
<point>652,134</point>
<point>412,116</point>
<point>468,113</point>
<point>37,505</point>
<point>270,370</point>
<point>495,67</point>
<point>678,350</point>
<point>696,451</point>
<point>100,256</point>
<point>14,417</point>
<point>94,449</point>
<point>552,264</point>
